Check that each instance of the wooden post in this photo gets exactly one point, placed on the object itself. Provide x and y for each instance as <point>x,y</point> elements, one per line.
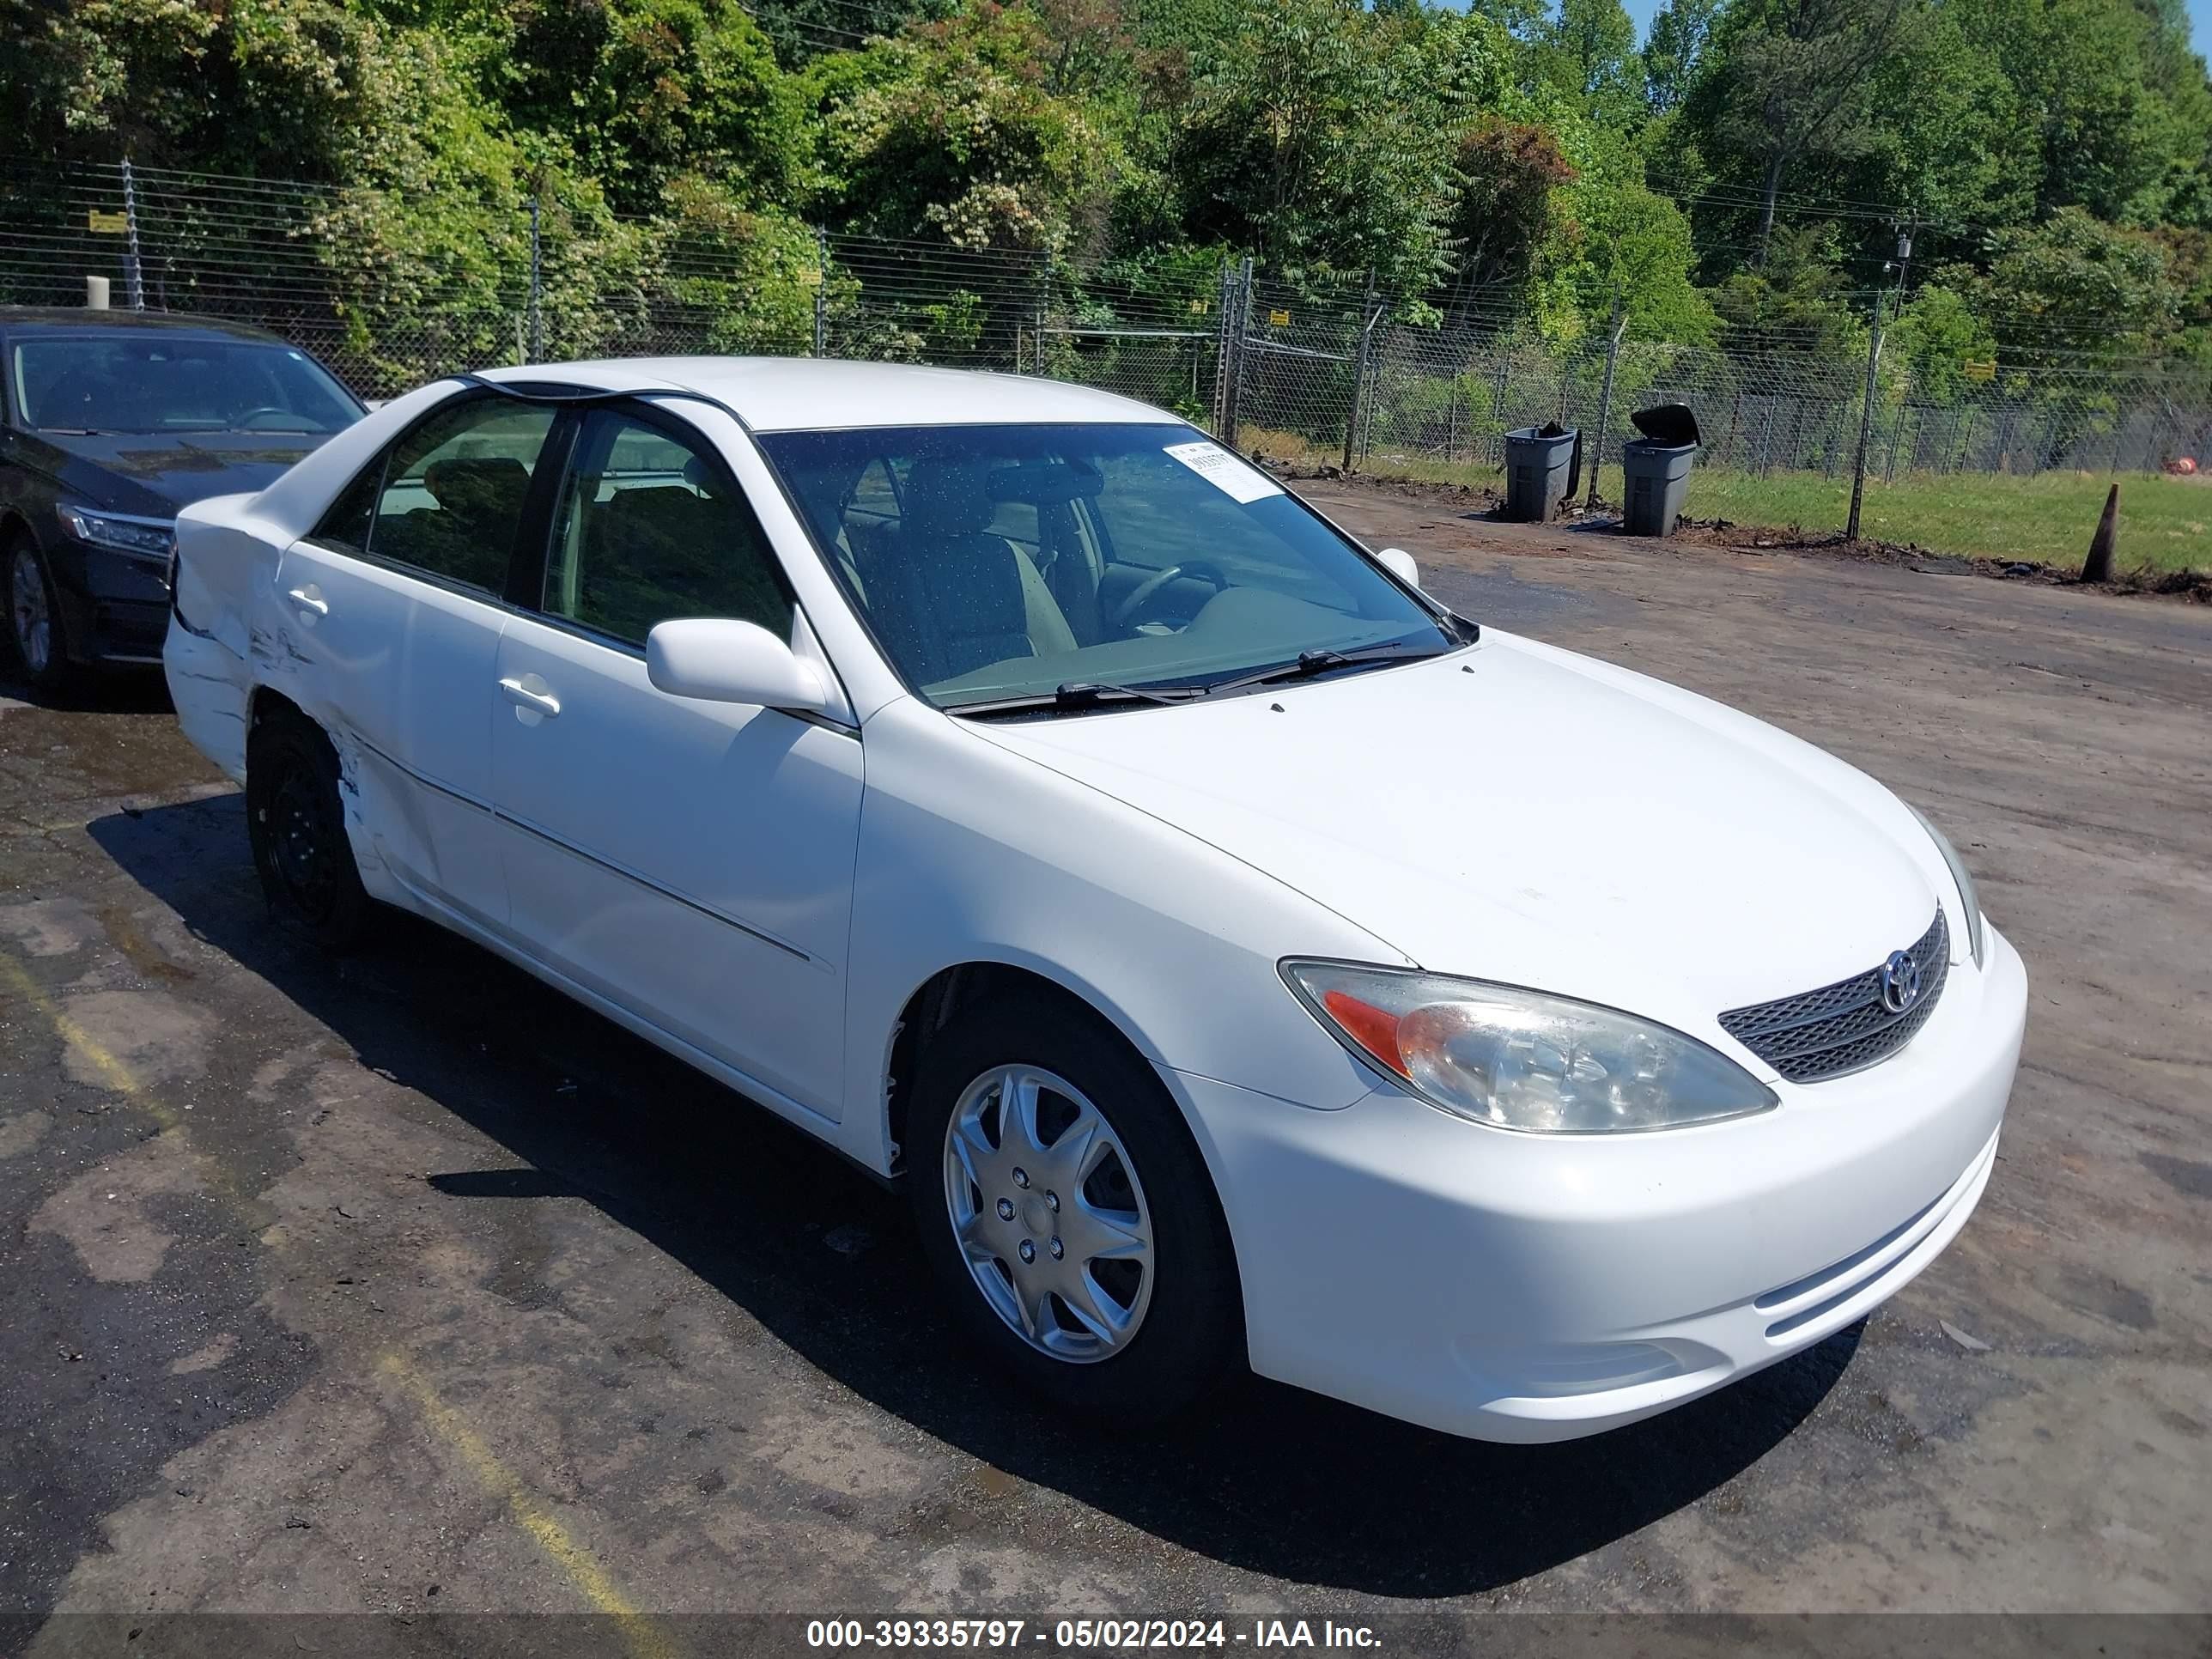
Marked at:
<point>2098,567</point>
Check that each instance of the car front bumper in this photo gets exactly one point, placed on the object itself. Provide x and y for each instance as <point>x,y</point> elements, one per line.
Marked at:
<point>115,606</point>
<point>1522,1287</point>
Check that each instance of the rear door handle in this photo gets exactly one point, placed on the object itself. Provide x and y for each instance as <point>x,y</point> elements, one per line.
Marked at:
<point>520,694</point>
<point>308,600</point>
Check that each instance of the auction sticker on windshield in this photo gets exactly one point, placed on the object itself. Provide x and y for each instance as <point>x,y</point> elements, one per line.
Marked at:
<point>1224,471</point>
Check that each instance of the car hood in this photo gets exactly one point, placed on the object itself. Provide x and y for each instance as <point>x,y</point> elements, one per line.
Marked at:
<point>158,472</point>
<point>1518,813</point>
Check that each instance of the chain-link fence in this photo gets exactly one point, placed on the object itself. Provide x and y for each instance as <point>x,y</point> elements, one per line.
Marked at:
<point>390,292</point>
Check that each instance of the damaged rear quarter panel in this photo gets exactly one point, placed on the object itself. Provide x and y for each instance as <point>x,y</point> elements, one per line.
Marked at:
<point>226,559</point>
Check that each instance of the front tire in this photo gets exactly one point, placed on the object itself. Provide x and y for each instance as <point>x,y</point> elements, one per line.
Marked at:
<point>295,820</point>
<point>37,648</point>
<point>1067,1212</point>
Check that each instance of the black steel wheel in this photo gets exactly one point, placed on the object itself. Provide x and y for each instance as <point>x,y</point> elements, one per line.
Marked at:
<point>295,819</point>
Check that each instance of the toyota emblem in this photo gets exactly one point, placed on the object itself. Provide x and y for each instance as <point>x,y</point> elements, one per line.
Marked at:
<point>1900,982</point>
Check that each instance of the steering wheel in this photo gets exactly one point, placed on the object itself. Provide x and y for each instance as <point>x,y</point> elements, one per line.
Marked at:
<point>1125,613</point>
<point>245,422</point>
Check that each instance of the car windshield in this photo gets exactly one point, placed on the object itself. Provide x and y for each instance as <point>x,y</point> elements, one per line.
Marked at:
<point>157,381</point>
<point>1001,563</point>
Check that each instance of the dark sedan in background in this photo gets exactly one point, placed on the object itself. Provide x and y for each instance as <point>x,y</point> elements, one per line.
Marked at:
<point>113,421</point>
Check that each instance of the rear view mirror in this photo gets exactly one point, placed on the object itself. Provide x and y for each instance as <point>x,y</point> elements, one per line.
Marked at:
<point>1400,563</point>
<point>718,659</point>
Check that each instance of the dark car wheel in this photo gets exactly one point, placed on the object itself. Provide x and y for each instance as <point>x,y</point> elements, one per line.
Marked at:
<point>295,821</point>
<point>36,651</point>
<point>1069,1215</point>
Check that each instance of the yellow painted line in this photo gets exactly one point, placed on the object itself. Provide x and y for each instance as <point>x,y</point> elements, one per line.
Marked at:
<point>119,1076</point>
<point>218,1179</point>
<point>643,1638</point>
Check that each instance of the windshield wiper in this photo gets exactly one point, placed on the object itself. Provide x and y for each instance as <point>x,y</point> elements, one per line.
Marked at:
<point>1311,663</point>
<point>1078,695</point>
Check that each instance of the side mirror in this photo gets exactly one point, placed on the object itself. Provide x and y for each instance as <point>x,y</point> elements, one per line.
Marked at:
<point>718,659</point>
<point>1400,563</point>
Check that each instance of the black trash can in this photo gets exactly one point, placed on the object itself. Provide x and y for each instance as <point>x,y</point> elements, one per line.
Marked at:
<point>1657,469</point>
<point>1541,464</point>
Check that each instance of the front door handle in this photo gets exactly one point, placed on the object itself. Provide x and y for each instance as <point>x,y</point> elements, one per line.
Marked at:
<point>522,696</point>
<point>308,599</point>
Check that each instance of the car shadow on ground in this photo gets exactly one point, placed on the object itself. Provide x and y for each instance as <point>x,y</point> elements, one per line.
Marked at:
<point>1267,1477</point>
<point>130,691</point>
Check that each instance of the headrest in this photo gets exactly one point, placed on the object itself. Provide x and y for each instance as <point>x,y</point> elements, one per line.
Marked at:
<point>945,498</point>
<point>695,474</point>
<point>479,481</point>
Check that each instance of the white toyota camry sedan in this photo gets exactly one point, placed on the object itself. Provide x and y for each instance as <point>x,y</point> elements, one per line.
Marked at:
<point>1242,959</point>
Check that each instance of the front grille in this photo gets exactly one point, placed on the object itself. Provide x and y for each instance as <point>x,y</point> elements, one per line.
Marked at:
<point>1842,1027</point>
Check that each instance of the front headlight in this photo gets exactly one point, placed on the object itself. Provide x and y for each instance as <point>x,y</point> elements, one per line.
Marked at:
<point>1968,896</point>
<point>149,538</point>
<point>1521,1060</point>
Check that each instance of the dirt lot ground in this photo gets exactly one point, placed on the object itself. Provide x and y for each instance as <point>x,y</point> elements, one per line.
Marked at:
<point>401,1285</point>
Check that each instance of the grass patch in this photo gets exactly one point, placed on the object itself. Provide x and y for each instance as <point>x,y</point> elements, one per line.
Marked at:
<point>2166,523</point>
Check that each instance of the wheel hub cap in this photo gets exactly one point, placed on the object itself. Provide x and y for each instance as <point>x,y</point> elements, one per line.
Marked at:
<point>1048,1214</point>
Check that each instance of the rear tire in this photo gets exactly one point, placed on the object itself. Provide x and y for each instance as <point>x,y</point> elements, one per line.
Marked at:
<point>295,821</point>
<point>1126,1307</point>
<point>34,641</point>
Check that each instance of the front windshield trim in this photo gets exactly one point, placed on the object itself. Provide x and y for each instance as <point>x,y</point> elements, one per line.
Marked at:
<point>1453,633</point>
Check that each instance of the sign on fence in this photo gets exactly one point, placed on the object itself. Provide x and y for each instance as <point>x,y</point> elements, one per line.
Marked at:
<point>1279,320</point>
<point>107,224</point>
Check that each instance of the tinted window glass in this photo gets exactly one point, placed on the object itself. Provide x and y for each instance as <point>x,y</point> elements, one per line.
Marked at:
<point>647,530</point>
<point>163,382</point>
<point>1016,559</point>
<point>345,527</point>
<point>453,490</point>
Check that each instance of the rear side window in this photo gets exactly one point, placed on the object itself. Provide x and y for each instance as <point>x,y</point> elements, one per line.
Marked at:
<point>345,527</point>
<point>448,499</point>
<point>647,531</point>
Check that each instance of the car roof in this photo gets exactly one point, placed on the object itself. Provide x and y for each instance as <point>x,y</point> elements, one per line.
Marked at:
<point>772,394</point>
<point>84,319</point>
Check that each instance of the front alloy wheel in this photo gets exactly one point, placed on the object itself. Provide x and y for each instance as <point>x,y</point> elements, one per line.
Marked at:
<point>1048,1214</point>
<point>30,615</point>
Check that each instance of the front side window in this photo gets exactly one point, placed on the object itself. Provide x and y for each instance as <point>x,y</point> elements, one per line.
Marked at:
<point>449,498</point>
<point>649,530</point>
<point>154,380</point>
<point>1011,559</point>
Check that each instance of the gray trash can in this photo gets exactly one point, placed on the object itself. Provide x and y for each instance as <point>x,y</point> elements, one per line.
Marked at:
<point>1657,469</point>
<point>1539,471</point>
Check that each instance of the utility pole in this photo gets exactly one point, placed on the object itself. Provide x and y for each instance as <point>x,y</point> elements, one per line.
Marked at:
<point>537,291</point>
<point>1874,359</point>
<point>1866,422</point>
<point>134,277</point>
<point>1614,330</point>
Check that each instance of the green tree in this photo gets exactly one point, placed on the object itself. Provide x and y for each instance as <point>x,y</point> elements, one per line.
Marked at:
<point>1794,82</point>
<point>1322,136</point>
<point>950,131</point>
<point>1622,243</point>
<point>643,91</point>
<point>2072,289</point>
<point>1938,342</point>
<point>1589,50</point>
<point>1504,215</point>
<point>1674,52</point>
<point>1797,299</point>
